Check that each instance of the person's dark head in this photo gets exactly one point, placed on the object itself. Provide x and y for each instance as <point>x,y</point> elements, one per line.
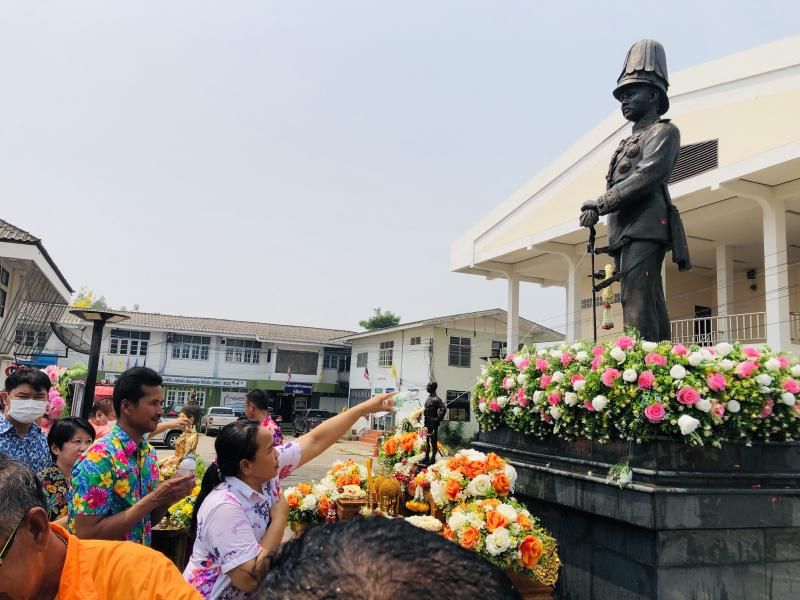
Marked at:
<point>432,387</point>
<point>103,409</point>
<point>255,403</point>
<point>28,568</point>
<point>68,438</point>
<point>138,399</point>
<point>25,395</point>
<point>640,100</point>
<point>375,558</point>
<point>244,450</point>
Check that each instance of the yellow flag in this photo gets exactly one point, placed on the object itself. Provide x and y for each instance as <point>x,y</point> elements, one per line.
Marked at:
<point>394,372</point>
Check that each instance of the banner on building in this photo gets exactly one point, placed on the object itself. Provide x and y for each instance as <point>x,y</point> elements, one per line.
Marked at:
<point>298,389</point>
<point>234,399</point>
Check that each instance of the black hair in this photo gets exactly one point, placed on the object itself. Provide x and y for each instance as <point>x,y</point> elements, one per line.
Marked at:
<point>129,386</point>
<point>62,431</point>
<point>236,442</point>
<point>20,491</point>
<point>258,398</point>
<point>375,558</point>
<point>35,378</point>
<point>101,405</point>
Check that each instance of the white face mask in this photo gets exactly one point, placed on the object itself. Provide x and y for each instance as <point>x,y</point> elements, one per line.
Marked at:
<point>26,411</point>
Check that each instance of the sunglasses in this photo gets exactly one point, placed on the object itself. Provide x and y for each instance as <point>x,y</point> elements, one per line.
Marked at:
<point>10,541</point>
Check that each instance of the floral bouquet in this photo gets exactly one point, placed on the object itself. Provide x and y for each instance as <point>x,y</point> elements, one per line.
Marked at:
<point>506,534</point>
<point>179,515</point>
<point>635,390</point>
<point>308,504</point>
<point>344,473</point>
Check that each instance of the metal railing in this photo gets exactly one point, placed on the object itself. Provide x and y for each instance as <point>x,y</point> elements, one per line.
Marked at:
<point>748,328</point>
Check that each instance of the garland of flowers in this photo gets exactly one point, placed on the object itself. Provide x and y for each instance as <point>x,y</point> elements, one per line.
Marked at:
<point>309,503</point>
<point>635,390</point>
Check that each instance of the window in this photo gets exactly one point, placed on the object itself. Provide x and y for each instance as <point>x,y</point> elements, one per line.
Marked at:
<point>132,343</point>
<point>386,354</point>
<point>499,348</point>
<point>3,295</point>
<point>587,302</point>
<point>181,397</point>
<point>301,363</point>
<point>416,341</point>
<point>5,277</point>
<point>359,395</point>
<point>30,338</point>
<point>459,354</point>
<point>190,347</point>
<point>243,351</point>
<point>457,405</point>
<point>361,359</point>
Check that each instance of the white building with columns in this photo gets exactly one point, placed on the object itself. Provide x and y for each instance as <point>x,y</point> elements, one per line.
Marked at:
<point>736,183</point>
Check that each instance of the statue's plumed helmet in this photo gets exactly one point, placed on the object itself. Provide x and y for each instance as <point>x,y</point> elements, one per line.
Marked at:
<point>646,62</point>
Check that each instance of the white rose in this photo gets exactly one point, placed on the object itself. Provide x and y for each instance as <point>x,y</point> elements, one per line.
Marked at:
<point>704,404</point>
<point>706,354</point>
<point>474,455</point>
<point>687,424</point>
<point>599,402</point>
<point>582,356</point>
<point>508,512</point>
<point>483,406</point>
<point>695,358</point>
<point>515,528</point>
<point>541,352</point>
<point>764,379</point>
<point>726,364</point>
<point>576,346</point>
<point>579,385</point>
<point>796,371</point>
<point>457,520</point>
<point>498,541</point>
<point>558,376</point>
<point>649,346</point>
<point>555,353</point>
<point>538,396</point>
<point>517,359</point>
<point>733,406</point>
<point>479,486</point>
<point>438,493</point>
<point>677,372</point>
<point>309,502</point>
<point>555,412</point>
<point>570,398</point>
<point>630,375</point>
<point>788,398</point>
<point>723,349</point>
<point>772,364</point>
<point>511,473</point>
<point>502,401</point>
<point>516,410</point>
<point>289,491</point>
<point>618,354</point>
<point>522,378</point>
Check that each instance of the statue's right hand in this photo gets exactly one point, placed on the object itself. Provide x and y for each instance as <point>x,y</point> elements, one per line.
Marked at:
<point>589,218</point>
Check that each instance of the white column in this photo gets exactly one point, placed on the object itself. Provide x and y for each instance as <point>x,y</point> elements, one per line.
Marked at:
<point>512,324</point>
<point>574,312</point>
<point>776,277</point>
<point>725,297</point>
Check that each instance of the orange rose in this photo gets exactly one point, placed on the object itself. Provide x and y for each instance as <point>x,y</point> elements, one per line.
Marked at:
<point>304,488</point>
<point>470,537</point>
<point>490,502</point>
<point>494,462</point>
<point>336,469</point>
<point>455,463</point>
<point>531,551</point>
<point>501,484</point>
<point>407,441</point>
<point>494,520</point>
<point>473,468</point>
<point>323,506</point>
<point>342,480</point>
<point>448,533</point>
<point>390,447</point>
<point>524,521</point>
<point>293,500</point>
<point>452,490</point>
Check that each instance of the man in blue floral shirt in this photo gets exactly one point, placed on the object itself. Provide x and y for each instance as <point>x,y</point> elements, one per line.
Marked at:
<point>116,494</point>
<point>21,438</point>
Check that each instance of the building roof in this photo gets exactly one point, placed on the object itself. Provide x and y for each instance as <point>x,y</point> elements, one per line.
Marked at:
<point>264,332</point>
<point>534,328</point>
<point>15,235</point>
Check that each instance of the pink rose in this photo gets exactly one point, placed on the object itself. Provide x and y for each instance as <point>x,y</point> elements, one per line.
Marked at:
<point>791,386</point>
<point>486,385</point>
<point>783,362</point>
<point>718,409</point>
<point>509,357</point>
<point>655,413</point>
<point>494,406</point>
<point>596,362</point>
<point>655,359</point>
<point>745,368</point>
<point>680,350</point>
<point>523,402</point>
<point>766,407</point>
<point>646,380</point>
<point>576,377</point>
<point>625,342</point>
<point>752,353</point>
<point>508,382</point>
<point>609,376</point>
<point>523,364</point>
<point>566,358</point>
<point>520,394</point>
<point>597,350</point>
<point>688,395</point>
<point>716,382</point>
<point>587,404</point>
<point>554,398</point>
<point>545,381</point>
<point>542,364</point>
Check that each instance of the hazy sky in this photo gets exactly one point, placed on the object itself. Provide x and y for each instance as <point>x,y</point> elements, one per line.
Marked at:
<point>302,162</point>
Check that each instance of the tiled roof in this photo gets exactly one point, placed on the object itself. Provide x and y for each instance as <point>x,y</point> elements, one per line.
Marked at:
<point>263,331</point>
<point>9,233</point>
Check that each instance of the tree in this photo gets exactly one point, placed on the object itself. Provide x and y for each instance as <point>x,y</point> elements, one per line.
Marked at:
<point>86,299</point>
<point>380,320</point>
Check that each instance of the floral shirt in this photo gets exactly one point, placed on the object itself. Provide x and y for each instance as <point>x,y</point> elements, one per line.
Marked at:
<point>111,476</point>
<point>56,488</point>
<point>30,450</point>
<point>230,524</point>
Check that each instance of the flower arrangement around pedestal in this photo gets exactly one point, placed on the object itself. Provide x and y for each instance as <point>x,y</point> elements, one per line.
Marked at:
<point>309,504</point>
<point>179,515</point>
<point>344,473</point>
<point>635,390</point>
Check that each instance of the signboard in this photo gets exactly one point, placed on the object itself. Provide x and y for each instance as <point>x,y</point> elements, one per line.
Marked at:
<point>298,389</point>
<point>194,381</point>
<point>234,399</point>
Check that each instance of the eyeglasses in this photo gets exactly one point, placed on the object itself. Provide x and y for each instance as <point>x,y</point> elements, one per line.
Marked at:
<point>10,541</point>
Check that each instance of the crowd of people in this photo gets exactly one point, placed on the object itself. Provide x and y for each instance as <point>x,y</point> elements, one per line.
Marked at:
<point>82,528</point>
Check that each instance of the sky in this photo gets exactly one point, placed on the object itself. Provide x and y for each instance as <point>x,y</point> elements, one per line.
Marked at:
<point>303,162</point>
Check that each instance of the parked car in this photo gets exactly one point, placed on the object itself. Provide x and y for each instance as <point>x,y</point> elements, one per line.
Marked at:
<point>306,420</point>
<point>172,411</point>
<point>217,417</point>
<point>165,438</point>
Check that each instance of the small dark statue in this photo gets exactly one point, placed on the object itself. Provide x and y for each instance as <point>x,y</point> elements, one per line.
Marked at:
<point>642,221</point>
<point>435,410</point>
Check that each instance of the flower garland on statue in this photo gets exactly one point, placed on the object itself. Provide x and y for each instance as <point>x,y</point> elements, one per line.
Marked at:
<point>634,390</point>
<point>344,473</point>
<point>308,503</point>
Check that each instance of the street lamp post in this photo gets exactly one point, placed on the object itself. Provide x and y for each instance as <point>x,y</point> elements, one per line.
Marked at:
<point>98,318</point>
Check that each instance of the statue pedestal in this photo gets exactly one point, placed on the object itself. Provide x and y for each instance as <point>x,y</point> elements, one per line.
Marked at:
<point>695,523</point>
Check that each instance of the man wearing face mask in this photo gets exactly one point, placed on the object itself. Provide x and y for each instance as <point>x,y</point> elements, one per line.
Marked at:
<point>21,438</point>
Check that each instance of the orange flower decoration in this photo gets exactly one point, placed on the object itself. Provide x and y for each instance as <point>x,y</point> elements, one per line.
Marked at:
<point>407,441</point>
<point>337,468</point>
<point>448,533</point>
<point>524,521</point>
<point>473,468</point>
<point>304,488</point>
<point>491,503</point>
<point>531,551</point>
<point>470,537</point>
<point>452,489</point>
<point>494,462</point>
<point>390,447</point>
<point>494,520</point>
<point>501,484</point>
<point>324,506</point>
<point>293,500</point>
<point>454,464</point>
